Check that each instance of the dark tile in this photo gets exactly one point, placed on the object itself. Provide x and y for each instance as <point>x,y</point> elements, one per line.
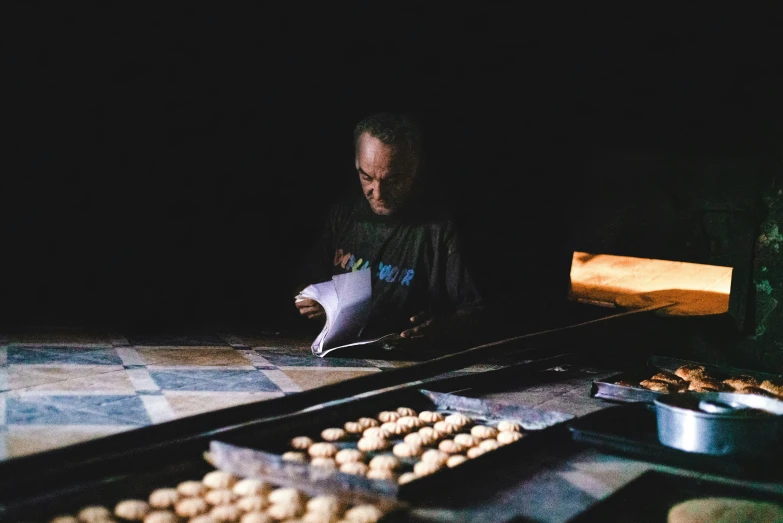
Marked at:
<point>282,360</point>
<point>72,355</point>
<point>192,340</point>
<point>76,410</point>
<point>214,380</point>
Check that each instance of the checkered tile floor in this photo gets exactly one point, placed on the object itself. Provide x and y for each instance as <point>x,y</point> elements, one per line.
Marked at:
<point>58,390</point>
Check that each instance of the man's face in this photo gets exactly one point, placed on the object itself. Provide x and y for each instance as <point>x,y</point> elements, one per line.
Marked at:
<point>387,176</point>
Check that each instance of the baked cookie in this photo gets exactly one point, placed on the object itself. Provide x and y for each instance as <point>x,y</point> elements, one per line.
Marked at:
<point>724,510</point>
<point>466,440</point>
<point>325,504</point>
<point>625,383</point>
<point>706,384</point>
<point>380,474</point>
<point>191,507</point>
<point>322,450</point>
<point>475,452</point>
<point>295,457</point>
<point>388,415</point>
<point>64,519</point>
<point>316,517</point>
<point>504,438</point>
<point>323,463</point>
<point>368,422</point>
<point>161,516</point>
<point>428,416</point>
<point>219,479</point>
<point>132,509</point>
<point>255,503</point>
<point>755,390</point>
<point>772,388</point>
<point>406,450</point>
<point>251,487</point>
<point>425,468</point>
<point>406,411</point>
<point>484,432</point>
<point>284,511</point>
<point>656,386</point>
<point>255,517</point>
<point>390,428</point>
<point>509,426</point>
<point>407,477</point>
<point>286,496</point>
<point>226,513</point>
<point>353,427</point>
<point>429,435</point>
<point>414,439</point>
<point>163,498</point>
<point>410,422</point>
<point>445,427</point>
<point>435,456</point>
<point>741,382</point>
<point>668,377</point>
<point>301,443</point>
<point>220,496</point>
<point>94,514</point>
<point>459,419</point>
<point>489,444</point>
<point>374,432</point>
<point>357,468</point>
<point>385,462</point>
<point>449,446</point>
<point>370,444</point>
<point>204,518</point>
<point>333,434</point>
<point>454,461</point>
<point>690,372</point>
<point>348,456</point>
<point>363,514</point>
<point>191,488</point>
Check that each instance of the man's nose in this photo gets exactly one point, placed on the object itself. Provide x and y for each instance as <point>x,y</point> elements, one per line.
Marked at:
<point>377,190</point>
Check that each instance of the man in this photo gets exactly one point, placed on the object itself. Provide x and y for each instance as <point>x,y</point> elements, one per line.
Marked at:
<point>401,231</point>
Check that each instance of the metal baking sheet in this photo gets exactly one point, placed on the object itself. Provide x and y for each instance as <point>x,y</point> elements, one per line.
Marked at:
<point>609,389</point>
<point>259,455</point>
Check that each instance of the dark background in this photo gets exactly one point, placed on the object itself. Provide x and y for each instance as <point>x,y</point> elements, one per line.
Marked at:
<point>169,166</point>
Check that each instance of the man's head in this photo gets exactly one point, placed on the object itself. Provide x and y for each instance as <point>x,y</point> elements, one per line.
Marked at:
<point>388,157</point>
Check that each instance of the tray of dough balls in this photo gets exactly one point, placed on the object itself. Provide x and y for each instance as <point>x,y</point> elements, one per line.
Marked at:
<point>391,444</point>
<point>199,493</point>
<point>663,375</point>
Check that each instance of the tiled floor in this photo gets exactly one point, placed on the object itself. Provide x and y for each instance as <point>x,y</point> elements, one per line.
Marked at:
<point>61,389</point>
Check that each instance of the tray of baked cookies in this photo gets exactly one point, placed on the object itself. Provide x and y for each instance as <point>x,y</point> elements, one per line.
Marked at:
<point>399,444</point>
<point>663,375</point>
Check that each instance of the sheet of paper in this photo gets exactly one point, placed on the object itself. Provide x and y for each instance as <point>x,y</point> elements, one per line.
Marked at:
<point>354,297</point>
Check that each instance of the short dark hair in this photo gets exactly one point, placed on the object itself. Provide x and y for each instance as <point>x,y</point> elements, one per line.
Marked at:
<point>394,129</point>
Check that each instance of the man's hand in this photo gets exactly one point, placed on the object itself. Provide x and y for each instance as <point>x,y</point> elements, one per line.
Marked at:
<point>424,326</point>
<point>311,309</point>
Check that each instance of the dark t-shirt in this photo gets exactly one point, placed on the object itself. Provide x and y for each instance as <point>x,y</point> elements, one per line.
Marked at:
<point>415,257</point>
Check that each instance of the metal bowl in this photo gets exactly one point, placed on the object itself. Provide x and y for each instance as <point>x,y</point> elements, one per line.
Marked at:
<point>720,423</point>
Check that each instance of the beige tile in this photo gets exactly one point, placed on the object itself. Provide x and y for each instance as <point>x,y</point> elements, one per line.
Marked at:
<point>190,403</point>
<point>21,440</point>
<point>278,342</point>
<point>312,378</point>
<point>110,382</point>
<point>206,356</point>
<point>27,376</point>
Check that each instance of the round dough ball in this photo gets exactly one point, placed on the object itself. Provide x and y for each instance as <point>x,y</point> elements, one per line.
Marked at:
<point>410,422</point>
<point>484,432</point>
<point>453,461</point>
<point>450,447</point>
<point>285,496</point>
<point>391,428</point>
<point>322,450</point>
<point>317,517</point>
<point>251,487</point>
<point>191,507</point>
<point>301,443</point>
<point>428,416</point>
<point>64,519</point>
<point>333,434</point>
<point>132,509</point>
<point>324,463</point>
<point>466,440</point>
<point>406,411</point>
<point>504,438</point>
<point>445,427</point>
<point>414,439</point>
<point>283,511</point>
<point>459,419</point>
<point>204,518</point>
<point>226,513</point>
<point>220,496</point>
<point>163,498</point>
<point>219,479</point>
<point>256,517</point>
<point>161,516</point>
<point>370,444</point>
<point>509,426</point>
<point>255,503</point>
<point>384,462</point>
<point>357,468</point>
<point>387,416</point>
<point>406,478</point>
<point>489,444</point>
<point>380,474</point>
<point>295,457</point>
<point>429,435</point>
<point>363,514</point>
<point>368,422</point>
<point>406,450</point>
<point>425,468</point>
<point>191,488</point>
<point>353,427</point>
<point>94,514</point>
<point>724,510</point>
<point>348,455</point>
<point>374,432</point>
<point>475,452</point>
<point>435,456</point>
<point>325,504</point>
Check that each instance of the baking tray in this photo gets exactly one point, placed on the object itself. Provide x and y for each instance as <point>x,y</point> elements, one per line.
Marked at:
<point>631,430</point>
<point>648,498</point>
<point>608,388</point>
<point>259,452</point>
